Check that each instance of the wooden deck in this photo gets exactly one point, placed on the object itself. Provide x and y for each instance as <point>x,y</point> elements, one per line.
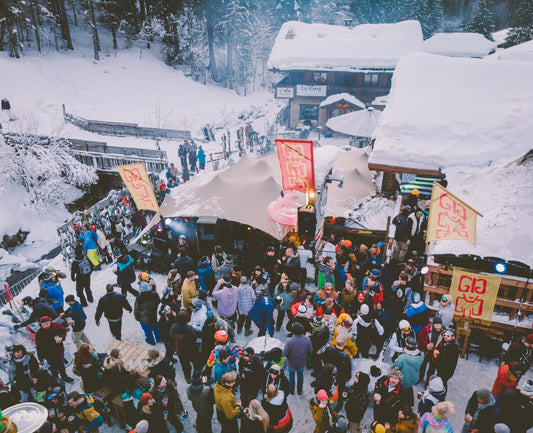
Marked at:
<point>134,357</point>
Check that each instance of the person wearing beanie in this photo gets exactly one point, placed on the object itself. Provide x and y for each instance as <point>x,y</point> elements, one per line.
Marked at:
<point>336,356</point>
<point>320,337</point>
<point>251,375</point>
<point>323,414</point>
<point>344,326</point>
<point>516,407</point>
<point>284,290</point>
<point>275,376</point>
<point>501,428</point>
<point>399,337</point>
<point>409,364</point>
<point>296,350</point>
<point>199,314</point>
<point>435,393</point>
<point>368,330</point>
<point>522,352</point>
<point>111,305</point>
<point>78,316</point>
<point>145,312</point>
<point>227,296</point>
<point>427,340</point>
<point>376,427</point>
<point>445,356</point>
<point>481,412</point>
<point>507,378</point>
<point>389,397</point>
<point>435,421</point>
<point>326,292</point>
<point>417,313</point>
<point>446,310</point>
<point>245,301</point>
<point>203,399</point>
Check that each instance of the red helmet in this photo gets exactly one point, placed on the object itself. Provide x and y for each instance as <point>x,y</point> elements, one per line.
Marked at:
<point>361,296</point>
<point>221,336</point>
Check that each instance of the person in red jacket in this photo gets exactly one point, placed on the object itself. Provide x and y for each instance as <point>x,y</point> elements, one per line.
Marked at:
<point>49,341</point>
<point>507,378</point>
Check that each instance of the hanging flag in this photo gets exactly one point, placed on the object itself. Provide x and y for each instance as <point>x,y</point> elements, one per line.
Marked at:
<point>139,185</point>
<point>297,164</point>
<point>450,218</point>
<point>474,296</point>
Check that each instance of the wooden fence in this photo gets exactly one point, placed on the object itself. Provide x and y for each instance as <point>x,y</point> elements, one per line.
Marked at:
<point>101,156</point>
<point>125,129</point>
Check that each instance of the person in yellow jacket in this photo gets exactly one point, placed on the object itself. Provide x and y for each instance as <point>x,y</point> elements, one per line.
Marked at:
<point>228,409</point>
<point>323,414</point>
<point>344,325</point>
<point>188,292</point>
<point>87,417</point>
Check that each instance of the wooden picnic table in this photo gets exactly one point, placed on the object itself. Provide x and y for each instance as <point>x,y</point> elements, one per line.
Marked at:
<point>134,358</point>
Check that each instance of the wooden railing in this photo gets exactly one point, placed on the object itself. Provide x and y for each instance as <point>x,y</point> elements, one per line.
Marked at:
<point>125,129</point>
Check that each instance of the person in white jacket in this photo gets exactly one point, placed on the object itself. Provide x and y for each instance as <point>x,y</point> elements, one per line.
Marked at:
<point>198,315</point>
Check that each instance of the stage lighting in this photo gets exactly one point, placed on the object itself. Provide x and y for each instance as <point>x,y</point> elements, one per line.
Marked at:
<point>167,221</point>
<point>424,270</point>
<point>500,268</point>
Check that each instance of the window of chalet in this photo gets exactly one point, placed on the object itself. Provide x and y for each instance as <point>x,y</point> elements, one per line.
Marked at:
<point>308,112</point>
<point>371,80</point>
<point>320,77</point>
<point>344,79</point>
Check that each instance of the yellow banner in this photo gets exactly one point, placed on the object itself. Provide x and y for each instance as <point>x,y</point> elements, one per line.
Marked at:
<point>450,218</point>
<point>474,296</point>
<point>139,185</point>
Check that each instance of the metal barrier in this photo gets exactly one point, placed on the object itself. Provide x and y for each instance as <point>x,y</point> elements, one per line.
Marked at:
<point>16,288</point>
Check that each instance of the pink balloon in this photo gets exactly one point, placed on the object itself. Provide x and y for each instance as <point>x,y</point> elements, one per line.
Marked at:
<point>285,209</point>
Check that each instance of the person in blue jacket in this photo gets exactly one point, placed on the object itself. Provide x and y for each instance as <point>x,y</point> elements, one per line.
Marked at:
<point>53,291</point>
<point>262,314</point>
<point>125,274</point>
<point>90,245</point>
<point>417,313</point>
<point>201,158</point>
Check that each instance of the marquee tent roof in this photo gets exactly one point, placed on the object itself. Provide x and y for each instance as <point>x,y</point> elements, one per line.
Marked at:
<point>243,192</point>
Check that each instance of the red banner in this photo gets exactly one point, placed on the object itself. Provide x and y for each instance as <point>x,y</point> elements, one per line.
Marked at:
<point>297,164</point>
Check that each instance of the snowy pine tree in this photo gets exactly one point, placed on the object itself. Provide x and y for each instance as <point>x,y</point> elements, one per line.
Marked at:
<point>482,20</point>
<point>521,24</point>
<point>44,166</point>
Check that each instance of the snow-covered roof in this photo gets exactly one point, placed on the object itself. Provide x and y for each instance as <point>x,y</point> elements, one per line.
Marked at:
<point>521,53</point>
<point>323,47</point>
<point>361,123</point>
<point>459,45</point>
<point>445,112</point>
<point>381,100</point>
<point>346,97</point>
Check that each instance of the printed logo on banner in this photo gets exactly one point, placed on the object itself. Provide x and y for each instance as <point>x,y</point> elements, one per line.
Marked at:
<point>475,295</point>
<point>297,165</point>
<point>139,185</point>
<point>450,218</point>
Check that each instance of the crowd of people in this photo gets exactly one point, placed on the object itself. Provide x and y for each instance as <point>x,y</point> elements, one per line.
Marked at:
<point>336,304</point>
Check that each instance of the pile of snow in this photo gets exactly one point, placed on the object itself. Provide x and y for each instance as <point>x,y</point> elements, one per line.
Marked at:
<point>323,47</point>
<point>342,97</point>
<point>459,45</point>
<point>445,112</point>
<point>381,100</point>
<point>500,36</point>
<point>519,53</point>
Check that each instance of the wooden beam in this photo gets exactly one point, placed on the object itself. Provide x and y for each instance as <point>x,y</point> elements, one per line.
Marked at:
<point>398,169</point>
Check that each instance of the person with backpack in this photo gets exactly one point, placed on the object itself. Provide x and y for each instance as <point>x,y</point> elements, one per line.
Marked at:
<point>80,272</point>
<point>125,273</point>
<point>111,305</point>
<point>90,245</point>
<point>75,311</point>
<point>53,291</point>
<point>87,418</point>
<point>145,312</point>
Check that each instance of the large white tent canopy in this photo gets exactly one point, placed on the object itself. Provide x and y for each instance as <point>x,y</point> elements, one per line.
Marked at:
<point>243,192</point>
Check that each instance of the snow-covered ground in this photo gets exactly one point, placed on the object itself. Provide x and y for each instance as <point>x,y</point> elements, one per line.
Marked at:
<point>469,376</point>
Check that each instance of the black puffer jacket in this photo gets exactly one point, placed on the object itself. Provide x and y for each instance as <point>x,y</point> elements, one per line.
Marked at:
<point>145,309</point>
<point>111,305</point>
<point>358,398</point>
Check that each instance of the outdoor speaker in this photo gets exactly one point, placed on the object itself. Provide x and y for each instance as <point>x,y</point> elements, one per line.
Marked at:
<point>306,221</point>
